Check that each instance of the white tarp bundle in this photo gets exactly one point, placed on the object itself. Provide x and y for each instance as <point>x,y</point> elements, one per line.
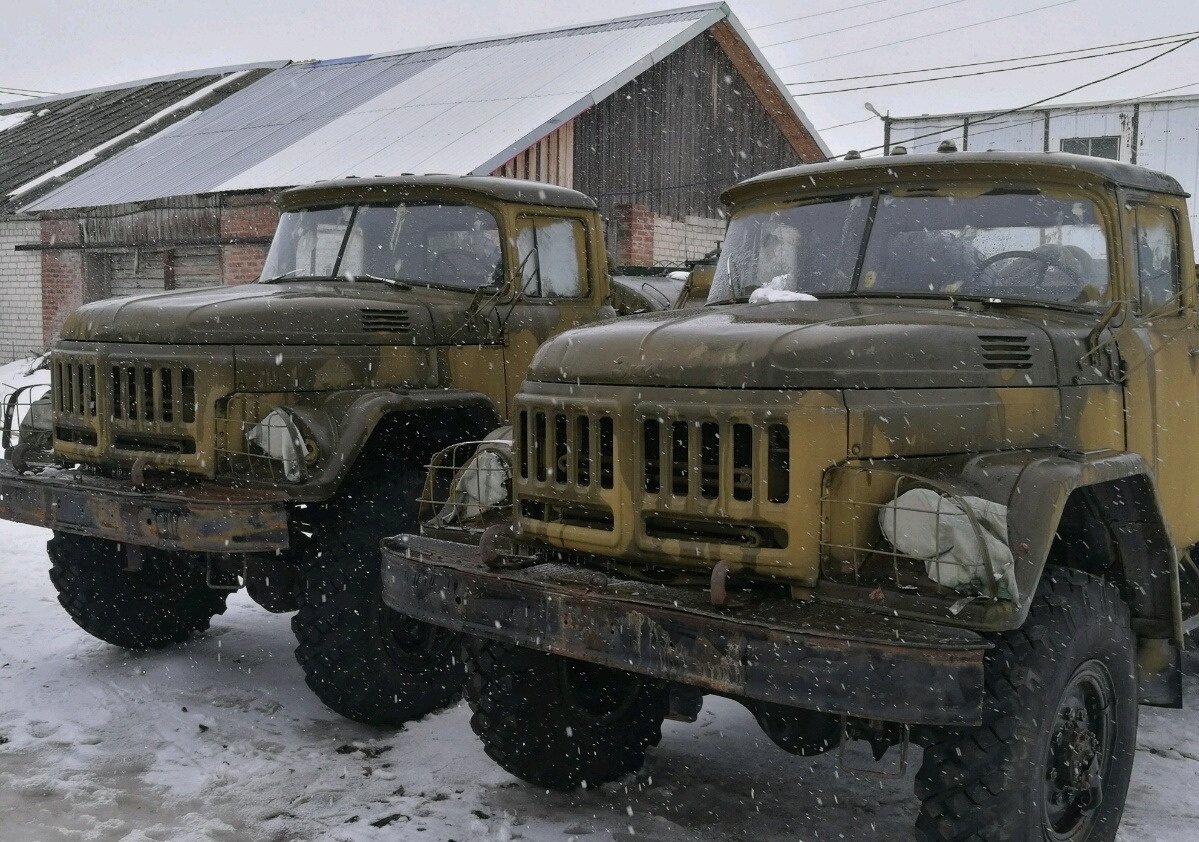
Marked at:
<point>483,482</point>
<point>924,524</point>
<point>277,436</point>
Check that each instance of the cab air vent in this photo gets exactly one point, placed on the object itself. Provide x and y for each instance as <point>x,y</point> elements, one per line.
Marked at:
<point>1005,351</point>
<point>385,321</point>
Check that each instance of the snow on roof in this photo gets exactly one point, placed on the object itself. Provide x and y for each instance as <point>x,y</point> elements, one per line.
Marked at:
<point>459,108</point>
<point>44,140</point>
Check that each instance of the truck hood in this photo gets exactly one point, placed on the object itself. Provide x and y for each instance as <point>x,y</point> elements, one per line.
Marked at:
<point>296,313</point>
<point>831,344</point>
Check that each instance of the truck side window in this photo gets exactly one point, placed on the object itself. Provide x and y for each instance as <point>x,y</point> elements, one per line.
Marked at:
<point>551,253</point>
<point>1157,256</point>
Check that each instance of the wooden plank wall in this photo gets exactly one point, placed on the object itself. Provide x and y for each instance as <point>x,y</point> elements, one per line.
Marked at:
<point>551,159</point>
<point>677,135</point>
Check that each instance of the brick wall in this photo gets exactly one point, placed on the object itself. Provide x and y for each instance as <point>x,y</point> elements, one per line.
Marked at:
<point>20,290</point>
<point>644,238</point>
<point>62,275</point>
<point>243,217</point>
<point>242,264</point>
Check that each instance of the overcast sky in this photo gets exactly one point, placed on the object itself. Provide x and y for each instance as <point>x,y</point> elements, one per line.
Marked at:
<point>60,46</point>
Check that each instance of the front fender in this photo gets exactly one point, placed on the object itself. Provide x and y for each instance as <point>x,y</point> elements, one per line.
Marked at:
<point>351,418</point>
<point>1037,485</point>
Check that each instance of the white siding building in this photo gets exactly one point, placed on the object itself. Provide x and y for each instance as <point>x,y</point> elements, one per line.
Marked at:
<point>1162,134</point>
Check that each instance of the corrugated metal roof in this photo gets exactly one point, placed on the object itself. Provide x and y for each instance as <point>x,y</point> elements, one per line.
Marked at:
<point>460,108</point>
<point>41,136</point>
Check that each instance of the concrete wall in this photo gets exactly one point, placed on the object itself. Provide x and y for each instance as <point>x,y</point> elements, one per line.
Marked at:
<point>20,290</point>
<point>677,240</point>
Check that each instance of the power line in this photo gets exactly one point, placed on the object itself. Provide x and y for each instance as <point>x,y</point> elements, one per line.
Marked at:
<point>985,72</point>
<point>850,123</point>
<point>820,14</point>
<point>1164,39</point>
<point>864,23</point>
<point>22,91</point>
<point>929,34</point>
<point>1075,89</point>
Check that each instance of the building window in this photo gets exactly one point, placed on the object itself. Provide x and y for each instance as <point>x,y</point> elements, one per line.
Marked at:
<point>1107,146</point>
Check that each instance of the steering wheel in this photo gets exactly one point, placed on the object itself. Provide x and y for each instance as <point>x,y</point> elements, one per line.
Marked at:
<point>1045,260</point>
<point>459,262</point>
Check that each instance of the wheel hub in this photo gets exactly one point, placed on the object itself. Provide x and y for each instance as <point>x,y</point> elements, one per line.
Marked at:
<point>411,644</point>
<point>1079,750</point>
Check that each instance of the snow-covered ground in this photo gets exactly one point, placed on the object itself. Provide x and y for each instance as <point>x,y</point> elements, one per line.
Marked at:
<point>221,740</point>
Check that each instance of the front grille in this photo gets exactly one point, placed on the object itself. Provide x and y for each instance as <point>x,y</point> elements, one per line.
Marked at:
<point>1005,351</point>
<point>714,460</point>
<point>385,321</point>
<point>74,390</point>
<point>566,448</point>
<point>152,396</point>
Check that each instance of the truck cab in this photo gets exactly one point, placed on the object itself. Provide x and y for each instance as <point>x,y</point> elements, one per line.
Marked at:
<point>268,435</point>
<point>932,428</point>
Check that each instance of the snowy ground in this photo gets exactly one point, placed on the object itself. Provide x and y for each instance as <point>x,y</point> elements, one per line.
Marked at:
<point>221,740</point>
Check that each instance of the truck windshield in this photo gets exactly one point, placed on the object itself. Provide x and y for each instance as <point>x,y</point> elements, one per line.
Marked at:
<point>428,244</point>
<point>1017,244</point>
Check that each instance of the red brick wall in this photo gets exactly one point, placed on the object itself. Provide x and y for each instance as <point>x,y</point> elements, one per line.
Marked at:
<point>242,264</point>
<point>62,275</point>
<point>244,217</point>
<point>635,235</point>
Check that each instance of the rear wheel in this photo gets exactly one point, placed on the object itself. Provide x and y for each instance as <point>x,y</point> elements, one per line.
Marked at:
<point>363,660</point>
<point>557,722</point>
<point>1053,757</point>
<point>164,602</point>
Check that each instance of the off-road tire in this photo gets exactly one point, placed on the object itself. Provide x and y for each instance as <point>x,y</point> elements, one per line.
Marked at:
<point>988,784</point>
<point>164,603</point>
<point>363,660</point>
<point>529,725</point>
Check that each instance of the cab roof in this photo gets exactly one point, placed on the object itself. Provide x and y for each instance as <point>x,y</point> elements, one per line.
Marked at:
<point>457,186</point>
<point>1019,166</point>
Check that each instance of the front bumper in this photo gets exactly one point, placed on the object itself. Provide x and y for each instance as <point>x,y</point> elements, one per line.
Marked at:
<point>194,518</point>
<point>803,654</point>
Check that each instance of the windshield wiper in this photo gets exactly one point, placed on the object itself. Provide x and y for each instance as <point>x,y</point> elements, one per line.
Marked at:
<point>292,276</point>
<point>394,282</point>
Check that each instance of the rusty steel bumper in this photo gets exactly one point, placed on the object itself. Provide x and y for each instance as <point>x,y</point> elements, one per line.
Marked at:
<point>804,654</point>
<point>201,518</point>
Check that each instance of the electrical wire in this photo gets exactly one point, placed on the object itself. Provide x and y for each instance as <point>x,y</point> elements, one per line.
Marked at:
<point>1043,100</point>
<point>864,23</point>
<point>986,72</point>
<point>25,91</point>
<point>1164,39</point>
<point>928,35</point>
<point>850,123</point>
<point>820,14</point>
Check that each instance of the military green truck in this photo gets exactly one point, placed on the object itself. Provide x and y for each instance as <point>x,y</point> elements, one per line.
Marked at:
<point>269,435</point>
<point>921,473</point>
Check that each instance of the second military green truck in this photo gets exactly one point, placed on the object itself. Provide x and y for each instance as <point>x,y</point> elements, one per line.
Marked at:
<point>269,435</point>
<point>922,472</point>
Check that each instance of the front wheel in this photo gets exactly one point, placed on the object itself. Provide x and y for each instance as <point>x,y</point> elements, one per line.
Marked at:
<point>363,660</point>
<point>165,602</point>
<point>1053,757</point>
<point>557,722</point>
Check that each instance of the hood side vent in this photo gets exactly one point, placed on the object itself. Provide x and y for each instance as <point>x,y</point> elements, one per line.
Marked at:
<point>385,321</point>
<point>1005,351</point>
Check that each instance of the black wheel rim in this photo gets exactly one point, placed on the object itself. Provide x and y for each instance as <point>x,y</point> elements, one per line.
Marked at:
<point>411,645</point>
<point>1078,758</point>
<point>597,695</point>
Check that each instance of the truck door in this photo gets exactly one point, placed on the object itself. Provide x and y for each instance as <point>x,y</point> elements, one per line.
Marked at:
<point>557,289</point>
<point>1161,353</point>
